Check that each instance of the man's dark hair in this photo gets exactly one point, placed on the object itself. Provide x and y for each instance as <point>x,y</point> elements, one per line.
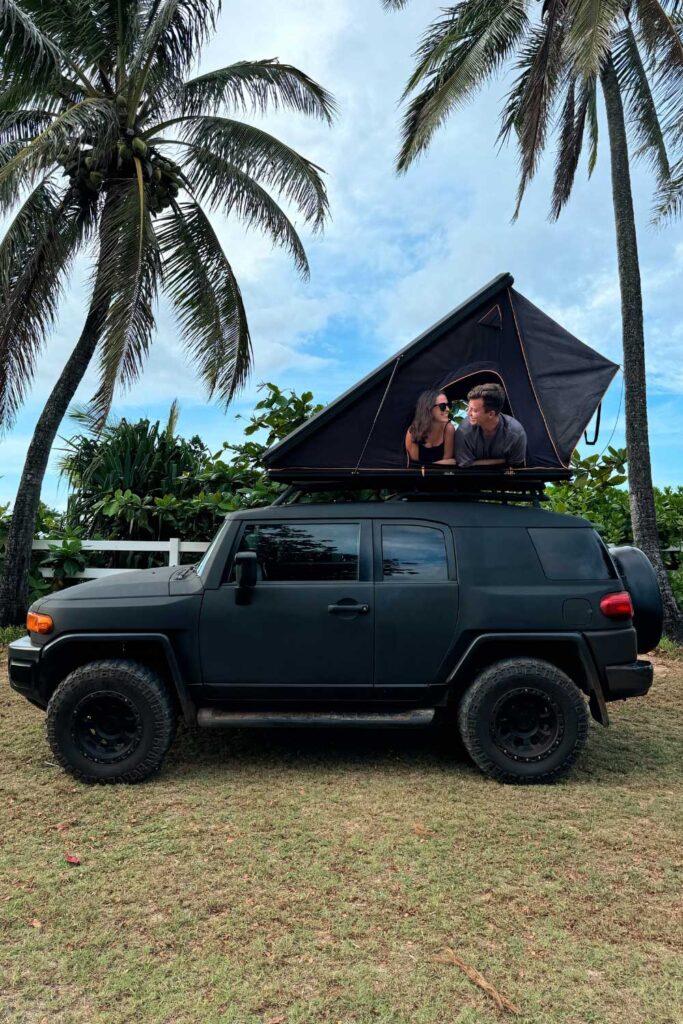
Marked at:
<point>493,396</point>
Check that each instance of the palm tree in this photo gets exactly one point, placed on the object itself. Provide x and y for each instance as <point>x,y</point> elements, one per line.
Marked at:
<point>562,51</point>
<point>108,146</point>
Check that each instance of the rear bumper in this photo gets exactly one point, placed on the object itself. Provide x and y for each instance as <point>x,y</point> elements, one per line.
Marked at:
<point>22,664</point>
<point>632,680</point>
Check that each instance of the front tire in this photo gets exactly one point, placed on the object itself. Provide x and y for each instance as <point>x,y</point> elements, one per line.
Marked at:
<point>523,721</point>
<point>110,721</point>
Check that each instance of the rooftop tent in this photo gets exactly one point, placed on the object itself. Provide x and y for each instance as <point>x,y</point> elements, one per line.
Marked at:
<point>553,383</point>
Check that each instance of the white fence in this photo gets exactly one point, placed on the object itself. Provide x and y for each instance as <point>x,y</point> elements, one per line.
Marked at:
<point>173,547</point>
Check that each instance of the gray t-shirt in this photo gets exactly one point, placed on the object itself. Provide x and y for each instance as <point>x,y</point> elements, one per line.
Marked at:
<point>508,442</point>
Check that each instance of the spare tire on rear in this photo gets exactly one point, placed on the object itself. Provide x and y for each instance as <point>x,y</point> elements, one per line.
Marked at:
<point>640,579</point>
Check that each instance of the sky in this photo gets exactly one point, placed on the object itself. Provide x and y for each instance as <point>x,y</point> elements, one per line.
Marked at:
<point>399,252</point>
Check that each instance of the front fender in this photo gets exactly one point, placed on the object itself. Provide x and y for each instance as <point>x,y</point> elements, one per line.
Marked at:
<point>65,652</point>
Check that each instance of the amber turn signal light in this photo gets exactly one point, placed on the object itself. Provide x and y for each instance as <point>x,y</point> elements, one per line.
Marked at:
<point>36,623</point>
<point>617,606</point>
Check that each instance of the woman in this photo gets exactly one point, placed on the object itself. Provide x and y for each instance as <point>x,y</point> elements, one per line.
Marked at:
<point>430,440</point>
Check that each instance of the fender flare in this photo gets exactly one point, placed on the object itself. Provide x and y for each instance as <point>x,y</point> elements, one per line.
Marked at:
<point>187,707</point>
<point>596,696</point>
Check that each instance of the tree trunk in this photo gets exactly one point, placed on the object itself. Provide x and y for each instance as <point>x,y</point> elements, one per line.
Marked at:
<point>639,469</point>
<point>14,583</point>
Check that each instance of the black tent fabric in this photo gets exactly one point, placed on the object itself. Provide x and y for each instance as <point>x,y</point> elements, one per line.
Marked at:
<point>553,383</point>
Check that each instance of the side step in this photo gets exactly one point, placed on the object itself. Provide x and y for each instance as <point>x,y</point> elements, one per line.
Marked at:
<point>212,718</point>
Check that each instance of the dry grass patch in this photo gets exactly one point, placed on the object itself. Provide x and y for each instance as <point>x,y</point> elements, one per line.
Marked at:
<point>319,877</point>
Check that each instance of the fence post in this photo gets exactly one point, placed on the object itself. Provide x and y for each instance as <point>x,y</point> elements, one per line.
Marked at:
<point>174,551</point>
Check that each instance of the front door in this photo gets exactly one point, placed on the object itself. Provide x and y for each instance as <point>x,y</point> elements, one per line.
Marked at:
<point>308,630</point>
<point>416,606</point>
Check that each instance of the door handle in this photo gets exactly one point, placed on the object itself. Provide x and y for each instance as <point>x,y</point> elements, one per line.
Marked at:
<point>348,609</point>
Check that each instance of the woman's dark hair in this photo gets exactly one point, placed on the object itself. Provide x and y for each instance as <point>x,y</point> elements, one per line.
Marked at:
<point>422,421</point>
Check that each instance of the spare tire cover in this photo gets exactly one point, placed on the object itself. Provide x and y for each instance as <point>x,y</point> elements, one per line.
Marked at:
<point>639,578</point>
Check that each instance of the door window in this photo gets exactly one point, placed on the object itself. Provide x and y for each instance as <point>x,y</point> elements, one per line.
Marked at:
<point>414,553</point>
<point>304,552</point>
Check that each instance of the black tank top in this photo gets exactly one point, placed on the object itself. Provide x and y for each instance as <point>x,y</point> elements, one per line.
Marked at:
<point>428,456</point>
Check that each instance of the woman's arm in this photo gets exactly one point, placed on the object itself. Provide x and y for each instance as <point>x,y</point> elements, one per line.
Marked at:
<point>412,449</point>
<point>448,447</point>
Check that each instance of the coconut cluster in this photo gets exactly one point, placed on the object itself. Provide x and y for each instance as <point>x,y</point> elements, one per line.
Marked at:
<point>162,177</point>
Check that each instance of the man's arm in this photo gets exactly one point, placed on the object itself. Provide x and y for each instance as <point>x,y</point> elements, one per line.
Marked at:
<point>517,453</point>
<point>464,455</point>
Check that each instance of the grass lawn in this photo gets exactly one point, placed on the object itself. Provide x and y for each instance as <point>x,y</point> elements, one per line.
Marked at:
<point>318,877</point>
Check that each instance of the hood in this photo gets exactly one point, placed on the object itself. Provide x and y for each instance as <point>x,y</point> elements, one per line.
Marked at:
<point>125,585</point>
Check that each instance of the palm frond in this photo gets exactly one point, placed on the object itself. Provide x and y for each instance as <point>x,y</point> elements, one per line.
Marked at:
<point>74,26</point>
<point>639,102</point>
<point>264,158</point>
<point>203,290</point>
<point>91,119</point>
<point>593,127</point>
<point>175,32</point>
<point>172,421</point>
<point>459,52</point>
<point>128,274</point>
<point>12,184</point>
<point>36,255</point>
<point>590,33</point>
<point>225,186</point>
<point>256,86</point>
<point>661,30</point>
<point>570,143</point>
<point>395,5</point>
<point>668,203</point>
<point>530,102</point>
<point>24,45</point>
<point>23,125</point>
<point>661,33</point>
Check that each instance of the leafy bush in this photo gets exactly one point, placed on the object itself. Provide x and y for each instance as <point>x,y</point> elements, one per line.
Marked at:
<point>141,481</point>
<point>10,633</point>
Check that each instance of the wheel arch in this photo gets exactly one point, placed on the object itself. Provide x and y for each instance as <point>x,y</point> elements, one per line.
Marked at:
<point>153,650</point>
<point>567,651</point>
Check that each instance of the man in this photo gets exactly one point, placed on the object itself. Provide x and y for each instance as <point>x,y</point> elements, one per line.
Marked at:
<point>488,437</point>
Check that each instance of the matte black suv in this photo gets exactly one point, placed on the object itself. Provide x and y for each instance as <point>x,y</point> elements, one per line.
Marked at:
<point>499,620</point>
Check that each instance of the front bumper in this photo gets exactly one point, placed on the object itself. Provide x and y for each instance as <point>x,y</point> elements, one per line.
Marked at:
<point>22,663</point>
<point>631,680</point>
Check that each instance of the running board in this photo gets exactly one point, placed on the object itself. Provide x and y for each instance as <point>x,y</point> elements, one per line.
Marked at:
<point>212,718</point>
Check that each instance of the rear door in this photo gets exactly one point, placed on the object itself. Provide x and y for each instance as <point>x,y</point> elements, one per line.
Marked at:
<point>309,628</point>
<point>416,604</point>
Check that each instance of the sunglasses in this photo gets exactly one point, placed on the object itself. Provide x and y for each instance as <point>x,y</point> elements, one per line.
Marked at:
<point>442,405</point>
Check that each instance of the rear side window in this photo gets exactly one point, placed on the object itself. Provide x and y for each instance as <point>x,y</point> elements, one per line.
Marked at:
<point>304,552</point>
<point>413,553</point>
<point>572,554</point>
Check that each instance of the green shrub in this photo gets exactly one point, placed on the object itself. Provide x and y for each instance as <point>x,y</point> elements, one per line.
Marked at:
<point>10,633</point>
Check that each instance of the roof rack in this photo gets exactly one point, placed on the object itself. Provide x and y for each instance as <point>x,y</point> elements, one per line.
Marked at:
<point>528,491</point>
<point>535,495</point>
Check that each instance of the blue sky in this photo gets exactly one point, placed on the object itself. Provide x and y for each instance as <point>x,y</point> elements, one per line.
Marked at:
<point>399,253</point>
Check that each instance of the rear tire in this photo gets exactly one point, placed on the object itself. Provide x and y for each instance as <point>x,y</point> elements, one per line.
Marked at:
<point>111,721</point>
<point>523,721</point>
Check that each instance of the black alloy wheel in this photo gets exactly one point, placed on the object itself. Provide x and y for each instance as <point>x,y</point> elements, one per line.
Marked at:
<point>527,724</point>
<point>106,726</point>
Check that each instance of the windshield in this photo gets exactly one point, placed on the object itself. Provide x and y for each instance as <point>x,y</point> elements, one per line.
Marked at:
<point>201,566</point>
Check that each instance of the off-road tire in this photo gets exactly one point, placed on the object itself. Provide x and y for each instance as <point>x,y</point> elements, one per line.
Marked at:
<point>511,690</point>
<point>99,693</point>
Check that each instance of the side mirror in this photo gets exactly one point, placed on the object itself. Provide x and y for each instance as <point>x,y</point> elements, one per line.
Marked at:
<point>245,576</point>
